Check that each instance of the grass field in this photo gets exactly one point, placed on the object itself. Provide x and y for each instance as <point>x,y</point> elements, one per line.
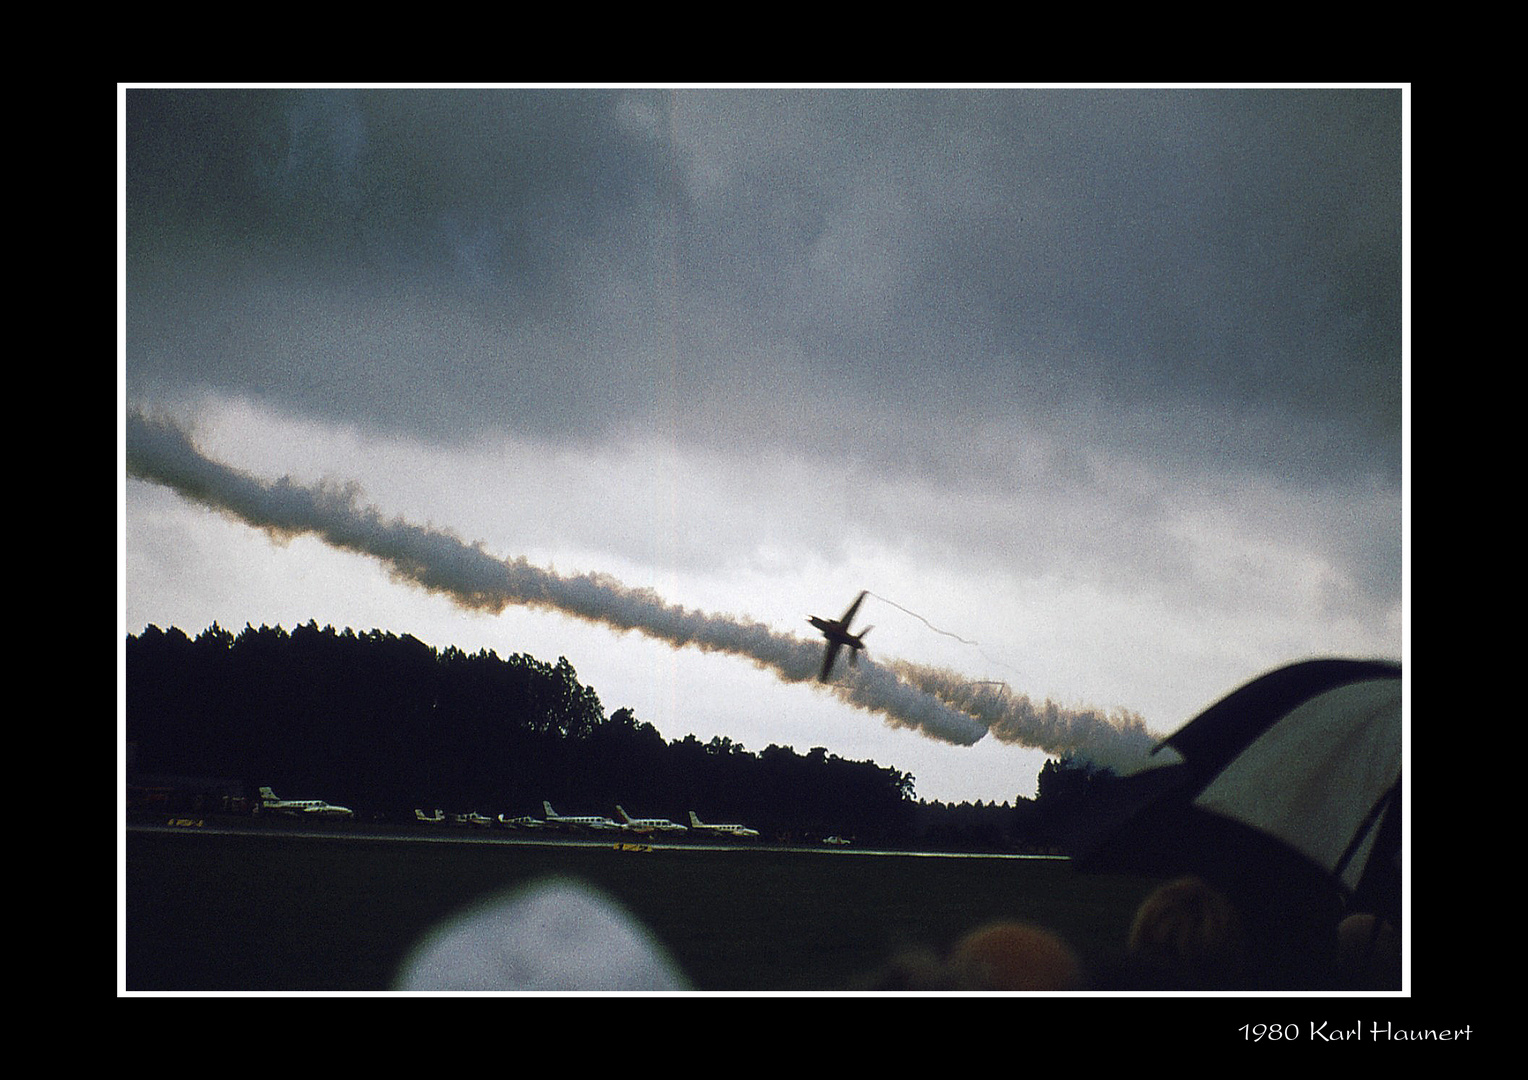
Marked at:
<point>267,912</point>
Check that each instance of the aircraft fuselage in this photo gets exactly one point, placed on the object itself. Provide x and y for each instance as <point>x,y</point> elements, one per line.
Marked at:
<point>837,633</point>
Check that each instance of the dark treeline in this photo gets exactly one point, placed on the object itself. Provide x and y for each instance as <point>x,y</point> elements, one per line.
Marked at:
<point>385,723</point>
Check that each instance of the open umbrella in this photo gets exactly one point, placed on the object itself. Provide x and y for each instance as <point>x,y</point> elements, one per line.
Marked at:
<point>1288,795</point>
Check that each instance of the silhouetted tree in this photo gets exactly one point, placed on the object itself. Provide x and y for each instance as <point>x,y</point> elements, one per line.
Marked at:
<point>384,722</point>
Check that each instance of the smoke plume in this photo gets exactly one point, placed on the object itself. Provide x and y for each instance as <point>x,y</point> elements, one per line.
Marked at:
<point>939,704</point>
<point>1117,740</point>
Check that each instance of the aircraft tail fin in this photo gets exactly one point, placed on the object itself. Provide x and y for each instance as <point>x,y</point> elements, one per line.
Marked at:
<point>267,795</point>
<point>547,808</point>
<point>694,821</point>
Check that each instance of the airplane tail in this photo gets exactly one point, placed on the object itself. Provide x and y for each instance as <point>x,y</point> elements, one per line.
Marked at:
<point>547,807</point>
<point>694,821</point>
<point>267,795</point>
<point>854,652</point>
<point>619,809</point>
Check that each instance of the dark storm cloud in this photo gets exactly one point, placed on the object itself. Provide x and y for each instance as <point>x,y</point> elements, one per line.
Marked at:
<point>1213,275</point>
<point>404,179</point>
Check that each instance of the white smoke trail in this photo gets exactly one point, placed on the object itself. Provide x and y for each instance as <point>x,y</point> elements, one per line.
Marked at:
<point>1117,741</point>
<point>162,453</point>
<point>938,704</point>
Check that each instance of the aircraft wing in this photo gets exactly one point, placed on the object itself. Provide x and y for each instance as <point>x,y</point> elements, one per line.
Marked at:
<point>849,615</point>
<point>828,658</point>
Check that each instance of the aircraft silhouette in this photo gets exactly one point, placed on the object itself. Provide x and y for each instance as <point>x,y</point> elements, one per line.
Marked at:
<point>837,633</point>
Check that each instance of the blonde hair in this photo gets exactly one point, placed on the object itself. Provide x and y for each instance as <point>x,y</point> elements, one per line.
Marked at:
<point>1015,956</point>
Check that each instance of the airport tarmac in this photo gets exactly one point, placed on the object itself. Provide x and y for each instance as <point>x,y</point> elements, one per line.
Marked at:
<point>220,824</point>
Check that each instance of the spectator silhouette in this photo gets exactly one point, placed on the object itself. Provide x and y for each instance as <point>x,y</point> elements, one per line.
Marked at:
<point>995,957</point>
<point>1368,953</point>
<point>1188,935</point>
<point>553,935</point>
<point>1015,956</point>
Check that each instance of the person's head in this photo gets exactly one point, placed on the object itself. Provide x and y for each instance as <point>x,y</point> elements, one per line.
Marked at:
<point>552,935</point>
<point>1189,934</point>
<point>1014,956</point>
<point>911,969</point>
<point>1368,953</point>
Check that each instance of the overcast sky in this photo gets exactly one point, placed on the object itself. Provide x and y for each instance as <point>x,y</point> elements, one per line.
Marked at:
<point>1100,392</point>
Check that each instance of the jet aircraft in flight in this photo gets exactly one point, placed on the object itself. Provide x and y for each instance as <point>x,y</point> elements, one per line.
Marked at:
<point>837,633</point>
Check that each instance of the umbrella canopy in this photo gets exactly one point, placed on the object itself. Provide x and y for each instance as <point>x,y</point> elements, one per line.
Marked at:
<point>1288,793</point>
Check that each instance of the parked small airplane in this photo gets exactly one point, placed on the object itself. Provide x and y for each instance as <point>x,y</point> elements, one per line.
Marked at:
<point>599,824</point>
<point>730,830</point>
<point>646,825</point>
<point>434,819</point>
<point>270,803</point>
<point>835,840</point>
<point>837,633</point>
<point>527,821</point>
<point>473,819</point>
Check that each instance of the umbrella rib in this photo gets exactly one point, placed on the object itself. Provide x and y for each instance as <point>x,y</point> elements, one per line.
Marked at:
<point>1368,823</point>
